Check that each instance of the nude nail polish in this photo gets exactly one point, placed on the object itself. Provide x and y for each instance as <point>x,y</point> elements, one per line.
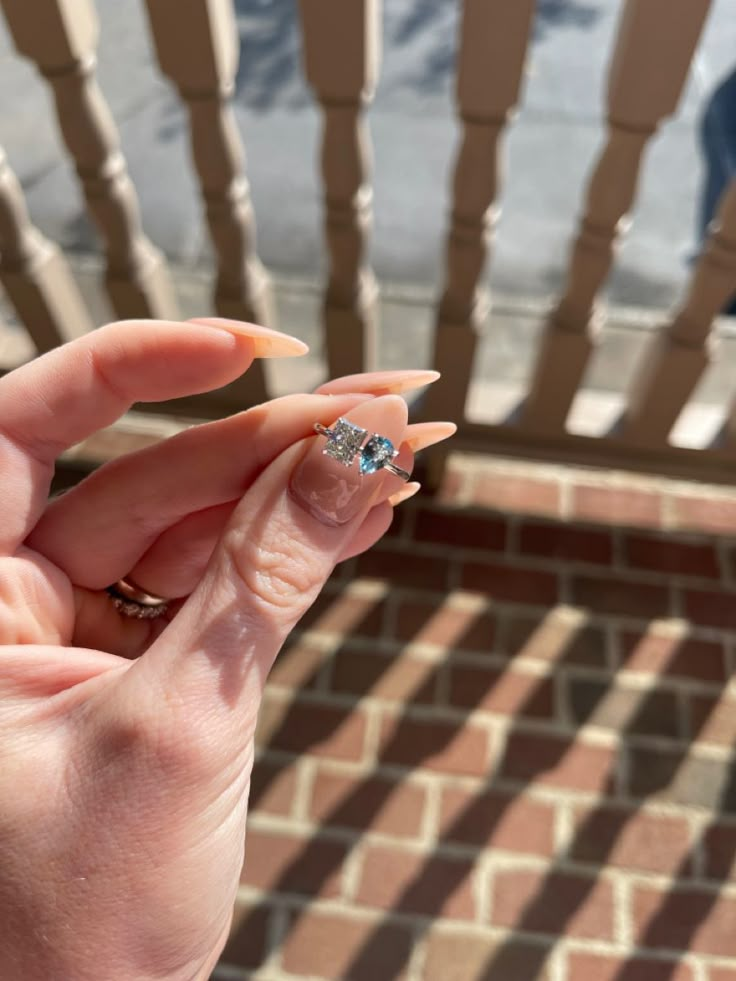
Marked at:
<point>336,493</point>
<point>268,343</point>
<point>381,382</point>
<point>420,435</point>
<point>403,495</point>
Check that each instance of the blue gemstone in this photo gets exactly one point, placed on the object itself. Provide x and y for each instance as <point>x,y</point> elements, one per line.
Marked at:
<point>376,453</point>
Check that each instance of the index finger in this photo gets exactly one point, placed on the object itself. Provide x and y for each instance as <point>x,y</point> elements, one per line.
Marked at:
<point>66,395</point>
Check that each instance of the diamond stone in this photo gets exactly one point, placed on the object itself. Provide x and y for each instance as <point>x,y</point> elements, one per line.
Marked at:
<point>376,453</point>
<point>344,441</point>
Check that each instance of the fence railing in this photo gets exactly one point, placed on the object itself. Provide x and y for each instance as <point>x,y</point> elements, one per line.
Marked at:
<point>197,46</point>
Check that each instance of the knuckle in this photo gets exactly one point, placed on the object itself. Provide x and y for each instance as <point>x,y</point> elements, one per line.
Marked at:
<point>35,600</point>
<point>280,575</point>
<point>103,375</point>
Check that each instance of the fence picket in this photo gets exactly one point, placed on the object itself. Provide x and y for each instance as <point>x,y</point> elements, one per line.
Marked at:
<point>64,50</point>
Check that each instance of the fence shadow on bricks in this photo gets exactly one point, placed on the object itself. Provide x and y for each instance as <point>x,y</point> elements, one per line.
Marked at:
<point>505,734</point>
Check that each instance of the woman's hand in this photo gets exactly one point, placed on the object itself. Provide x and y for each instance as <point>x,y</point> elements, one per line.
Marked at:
<point>126,745</point>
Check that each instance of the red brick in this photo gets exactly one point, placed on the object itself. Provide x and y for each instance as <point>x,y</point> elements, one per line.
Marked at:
<point>405,568</point>
<point>400,526</point>
<point>673,775</point>
<point>341,576</point>
<point>247,942</point>
<point>428,884</point>
<point>358,672</point>
<point>713,720</point>
<point>719,844</point>
<point>701,514</point>
<point>272,787</point>
<point>456,954</point>
<point>502,692</point>
<point>320,730</point>
<point>711,607</point>
<point>495,819</point>
<point>455,480</point>
<point>511,584</point>
<point>516,493</point>
<point>553,903</point>
<point>460,530</point>
<point>685,919</point>
<point>345,612</point>
<point>722,974</point>
<point>558,761</point>
<point>597,967</point>
<point>624,709</point>
<point>558,541</point>
<point>617,505</point>
<point>730,557</point>
<point>441,746</point>
<point>333,946</point>
<point>626,597</point>
<point>422,621</point>
<point>290,863</point>
<point>553,638</point>
<point>394,807</point>
<point>297,665</point>
<point>632,840</point>
<point>672,557</point>
<point>663,653</point>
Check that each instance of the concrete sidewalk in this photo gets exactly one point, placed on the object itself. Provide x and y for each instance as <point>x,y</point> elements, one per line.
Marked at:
<point>550,147</point>
<point>406,318</point>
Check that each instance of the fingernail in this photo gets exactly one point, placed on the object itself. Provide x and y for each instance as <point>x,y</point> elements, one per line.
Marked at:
<point>380,382</point>
<point>403,495</point>
<point>334,493</point>
<point>420,435</point>
<point>268,343</point>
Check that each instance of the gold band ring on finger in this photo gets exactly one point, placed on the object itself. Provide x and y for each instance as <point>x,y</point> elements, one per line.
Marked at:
<point>131,601</point>
<point>345,443</point>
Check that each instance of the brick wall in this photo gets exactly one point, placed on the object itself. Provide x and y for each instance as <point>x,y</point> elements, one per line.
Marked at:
<point>500,745</point>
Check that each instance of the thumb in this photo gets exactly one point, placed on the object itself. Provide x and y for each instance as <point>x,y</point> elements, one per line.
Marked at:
<point>274,556</point>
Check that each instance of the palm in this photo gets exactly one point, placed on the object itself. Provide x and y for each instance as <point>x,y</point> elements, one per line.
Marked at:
<point>95,816</point>
<point>59,655</point>
<point>127,745</point>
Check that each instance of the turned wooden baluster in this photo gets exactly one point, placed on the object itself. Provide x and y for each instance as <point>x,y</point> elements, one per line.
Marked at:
<point>341,52</point>
<point>198,48</point>
<point>60,36</point>
<point>34,273</point>
<point>647,74</point>
<point>493,43</point>
<point>682,350</point>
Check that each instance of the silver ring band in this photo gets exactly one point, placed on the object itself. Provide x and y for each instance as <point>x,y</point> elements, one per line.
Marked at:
<point>346,442</point>
<point>131,601</point>
<point>397,471</point>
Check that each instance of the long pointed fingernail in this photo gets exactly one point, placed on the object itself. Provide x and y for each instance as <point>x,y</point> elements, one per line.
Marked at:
<point>268,343</point>
<point>403,495</point>
<point>335,493</point>
<point>420,435</point>
<point>380,382</point>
